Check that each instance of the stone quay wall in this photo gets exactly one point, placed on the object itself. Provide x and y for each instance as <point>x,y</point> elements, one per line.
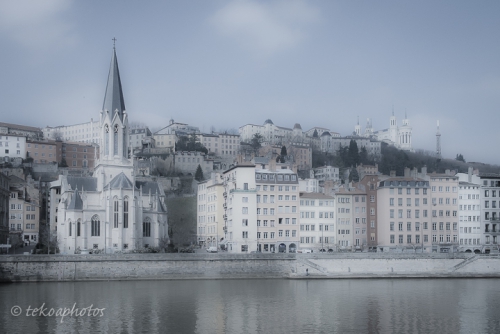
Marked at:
<point>39,268</point>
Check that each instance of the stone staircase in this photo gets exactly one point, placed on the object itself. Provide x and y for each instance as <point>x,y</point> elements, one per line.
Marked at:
<point>317,269</point>
<point>465,262</point>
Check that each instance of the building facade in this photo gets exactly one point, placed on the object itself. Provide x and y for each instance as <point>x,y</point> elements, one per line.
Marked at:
<point>317,222</point>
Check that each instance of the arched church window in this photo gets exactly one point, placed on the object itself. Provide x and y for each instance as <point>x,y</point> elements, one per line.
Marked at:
<point>125,212</point>
<point>106,139</point>
<point>115,135</point>
<point>95,226</point>
<point>69,228</point>
<point>146,227</point>
<point>78,228</point>
<point>115,213</point>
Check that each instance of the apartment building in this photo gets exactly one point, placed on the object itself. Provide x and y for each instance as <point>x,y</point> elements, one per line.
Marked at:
<point>403,215</point>
<point>444,219</point>
<point>12,146</point>
<point>83,132</point>
<point>210,211</point>
<point>345,210</point>
<point>317,222</point>
<point>369,184</point>
<point>43,151</point>
<point>261,209</point>
<point>490,211</point>
<point>78,155</point>
<point>136,137</point>
<point>469,216</point>
<point>24,213</point>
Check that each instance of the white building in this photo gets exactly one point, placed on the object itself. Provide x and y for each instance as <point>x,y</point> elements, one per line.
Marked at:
<point>12,146</point>
<point>210,211</point>
<point>317,222</point>
<point>137,136</point>
<point>469,213</point>
<point>88,132</point>
<point>179,129</point>
<point>327,173</point>
<point>261,209</point>
<point>109,211</point>
<point>271,133</point>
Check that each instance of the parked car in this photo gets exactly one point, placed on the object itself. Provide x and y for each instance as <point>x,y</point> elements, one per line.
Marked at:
<point>212,249</point>
<point>307,250</point>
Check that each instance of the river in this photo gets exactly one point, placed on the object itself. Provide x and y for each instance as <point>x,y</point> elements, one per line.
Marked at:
<point>254,306</point>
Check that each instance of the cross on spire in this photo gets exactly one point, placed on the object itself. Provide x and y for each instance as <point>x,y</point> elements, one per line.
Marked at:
<point>114,41</point>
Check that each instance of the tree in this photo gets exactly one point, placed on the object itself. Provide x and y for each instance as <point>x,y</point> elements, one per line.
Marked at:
<point>353,175</point>
<point>283,151</point>
<point>353,153</point>
<point>198,176</point>
<point>256,141</point>
<point>460,157</point>
<point>315,133</point>
<point>63,163</point>
<point>363,156</point>
<point>190,144</point>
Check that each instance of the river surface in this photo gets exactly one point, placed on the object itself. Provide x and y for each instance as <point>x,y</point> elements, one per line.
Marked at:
<point>254,306</point>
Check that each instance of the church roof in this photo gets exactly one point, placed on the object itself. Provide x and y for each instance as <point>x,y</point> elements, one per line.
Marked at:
<point>76,201</point>
<point>148,186</point>
<point>113,99</point>
<point>160,207</point>
<point>120,181</point>
<point>83,183</point>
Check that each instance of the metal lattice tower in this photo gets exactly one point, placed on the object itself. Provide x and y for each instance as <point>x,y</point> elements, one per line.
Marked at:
<point>438,142</point>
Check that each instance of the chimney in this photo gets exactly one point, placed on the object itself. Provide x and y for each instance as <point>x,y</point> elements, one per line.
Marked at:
<point>414,172</point>
<point>424,170</point>
<point>392,173</point>
<point>407,172</point>
<point>447,172</point>
<point>469,174</point>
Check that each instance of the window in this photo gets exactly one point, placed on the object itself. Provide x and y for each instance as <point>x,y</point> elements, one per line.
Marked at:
<point>392,238</point>
<point>78,228</point>
<point>146,228</point>
<point>95,226</point>
<point>70,226</point>
<point>125,213</point>
<point>115,214</point>
<point>244,234</point>
<point>244,222</point>
<point>245,210</point>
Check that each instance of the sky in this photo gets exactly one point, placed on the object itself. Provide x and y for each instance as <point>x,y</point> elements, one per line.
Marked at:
<point>229,63</point>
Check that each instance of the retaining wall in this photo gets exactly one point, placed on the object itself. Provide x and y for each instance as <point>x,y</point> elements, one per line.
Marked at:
<point>35,268</point>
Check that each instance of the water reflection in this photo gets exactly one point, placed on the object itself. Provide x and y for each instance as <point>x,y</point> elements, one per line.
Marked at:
<point>261,306</point>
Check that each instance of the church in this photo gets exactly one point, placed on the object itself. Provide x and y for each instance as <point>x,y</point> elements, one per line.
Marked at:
<point>398,136</point>
<point>109,211</point>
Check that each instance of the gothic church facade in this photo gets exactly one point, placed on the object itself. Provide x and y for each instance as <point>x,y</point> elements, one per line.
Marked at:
<point>111,210</point>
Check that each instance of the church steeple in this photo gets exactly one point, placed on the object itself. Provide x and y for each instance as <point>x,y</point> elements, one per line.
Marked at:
<point>113,99</point>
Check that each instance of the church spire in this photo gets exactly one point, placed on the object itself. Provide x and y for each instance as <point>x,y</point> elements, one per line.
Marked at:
<point>113,99</point>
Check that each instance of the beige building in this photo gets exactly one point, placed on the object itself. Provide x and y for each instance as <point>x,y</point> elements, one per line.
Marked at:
<point>317,222</point>
<point>444,201</point>
<point>24,213</point>
<point>404,215</point>
<point>42,151</point>
<point>351,218</point>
